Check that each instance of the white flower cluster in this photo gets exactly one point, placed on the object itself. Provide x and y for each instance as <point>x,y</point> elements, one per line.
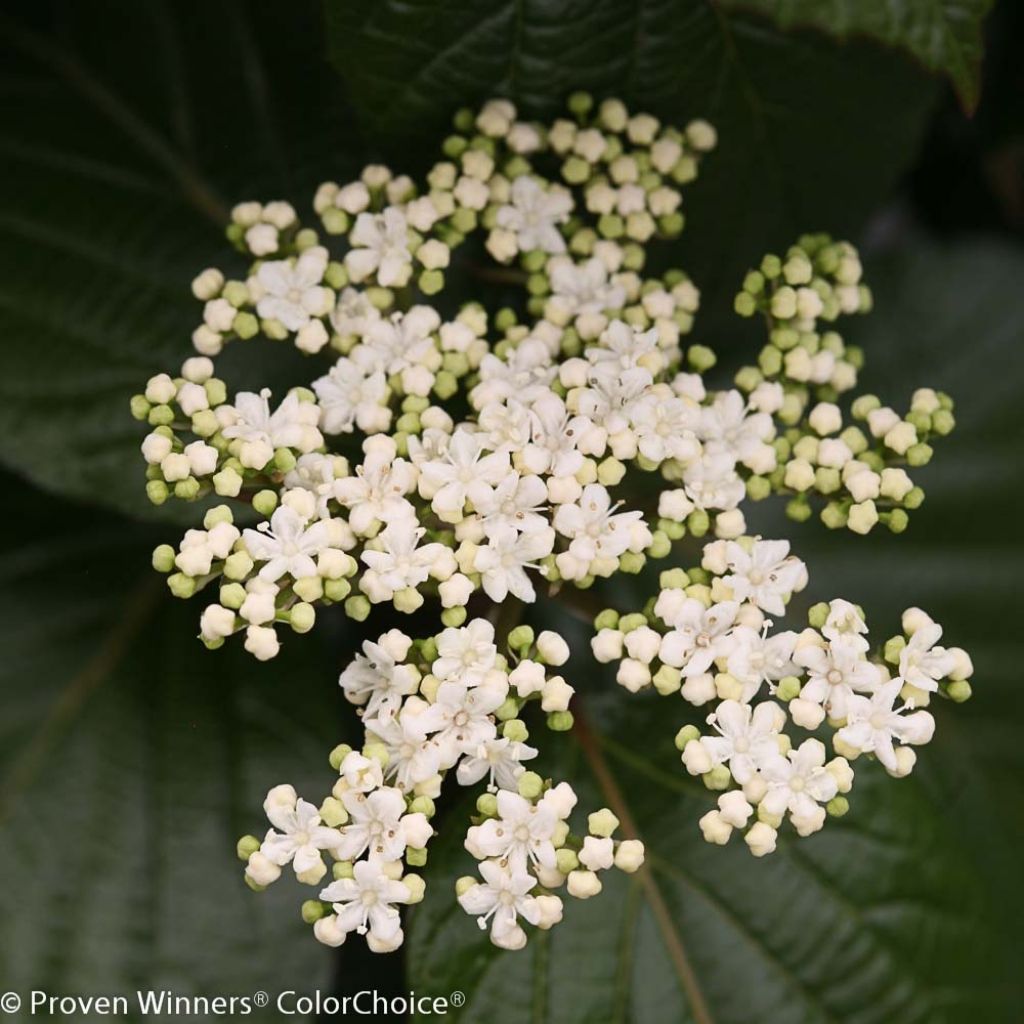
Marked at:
<point>708,638</point>
<point>451,703</point>
<point>494,457</point>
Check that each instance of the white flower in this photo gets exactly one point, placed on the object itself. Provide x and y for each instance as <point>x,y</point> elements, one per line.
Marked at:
<point>291,425</point>
<point>401,341</point>
<point>593,526</point>
<point>766,575</point>
<point>352,395</point>
<point>287,544</point>
<point>361,774</point>
<point>399,562</point>
<point>301,837</point>
<point>412,758</point>
<point>378,823</point>
<point>873,723</point>
<point>698,636</point>
<point>380,245</point>
<point>725,423</point>
<point>836,672</point>
<point>665,429</point>
<point>377,679</point>
<point>292,290</point>
<point>460,717</point>
<point>462,473</point>
<point>844,620</point>
<point>747,737</point>
<point>376,493</point>
<point>555,438</point>
<point>521,834</point>
<point>922,664</point>
<point>499,759</point>
<point>534,214</point>
<point>365,903</point>
<point>500,898</point>
<point>503,561</point>
<point>623,348</point>
<point>353,313</point>
<point>712,481</point>
<point>799,784</point>
<point>466,654</point>
<point>525,374</point>
<point>757,658</point>
<point>516,502</point>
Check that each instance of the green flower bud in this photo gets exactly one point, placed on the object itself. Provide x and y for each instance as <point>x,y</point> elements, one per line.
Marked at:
<point>687,733</point>
<point>837,806</point>
<point>608,619</point>
<point>232,595</point>
<point>673,579</point>
<point>919,454</point>
<point>264,502</point>
<point>161,415</point>
<point>163,558</point>
<point>181,585</point>
<point>943,422</point>
<point>798,509</point>
<point>667,680</point>
<point>834,515</point>
<point>487,805</point>
<point>515,730</point>
<point>959,691</point>
<point>453,616</point>
<point>157,492</point>
<point>464,884</point>
<point>580,103</point>
<point>818,614</point>
<point>530,785</point>
<point>284,460</point>
<point>560,721</point>
<point>632,562</point>
<point>897,520</point>
<point>893,648</point>
<point>913,498</point>
<point>140,407</point>
<point>788,688</point>
<point>520,637</point>
<point>700,358</point>
<point>566,860</point>
<point>415,858</point>
<point>227,483</point>
<point>342,869</point>
<point>333,812</point>
<point>238,565</point>
<point>255,886</point>
<point>718,778</point>
<point>431,282</point>
<point>337,590</point>
<point>407,600</point>
<point>302,617</point>
<point>632,621</point>
<point>745,304</point>
<point>660,545</point>
<point>357,607</point>
<point>246,847</point>
<point>312,911</point>
<point>245,325</point>
<point>758,488</point>
<point>698,522</point>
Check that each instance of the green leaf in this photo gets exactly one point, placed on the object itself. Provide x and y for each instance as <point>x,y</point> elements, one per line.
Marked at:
<point>131,760</point>
<point>908,908</point>
<point>129,128</point>
<point>944,35</point>
<point>811,135</point>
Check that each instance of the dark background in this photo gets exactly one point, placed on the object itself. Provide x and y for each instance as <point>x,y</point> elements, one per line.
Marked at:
<point>131,759</point>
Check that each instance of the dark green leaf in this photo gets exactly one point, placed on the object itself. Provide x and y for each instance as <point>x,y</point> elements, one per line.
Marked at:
<point>944,35</point>
<point>131,760</point>
<point>128,129</point>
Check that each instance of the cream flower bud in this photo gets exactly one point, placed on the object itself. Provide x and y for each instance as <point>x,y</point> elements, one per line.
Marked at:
<point>527,677</point>
<point>455,591</point>
<point>261,239</point>
<point>799,475</point>
<point>629,856</point>
<point>730,524</point>
<point>311,337</point>
<point>882,420</point>
<point>202,458</point>
<point>674,505</point>
<point>552,648</point>
<point>207,284</point>
<point>583,884</point>
<point>696,758</point>
<point>715,828</point>
<point>826,418</point>
<point>863,517</point>
<point>160,389</point>
<point>216,621</point>
<point>598,854</point>
<point>261,870</point>
<point>550,908</point>
<point>633,675</point>
<point>834,453</point>
<point>963,667</point>
<point>900,437</point>
<point>607,645</point>
<point>761,839</point>
<point>805,713</point>
<point>643,644</point>
<point>906,758</point>
<point>328,930</point>
<point>914,619</point>
<point>699,689</point>
<point>556,695</point>
<point>895,483</point>
<point>434,254</point>
<point>261,642</point>
<point>353,198</point>
<point>175,467</point>
<point>734,809</point>
<point>864,485</point>
<point>156,448</point>
<point>259,606</point>
<point>840,770</point>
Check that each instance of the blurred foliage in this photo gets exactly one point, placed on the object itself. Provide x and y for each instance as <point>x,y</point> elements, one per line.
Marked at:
<point>128,128</point>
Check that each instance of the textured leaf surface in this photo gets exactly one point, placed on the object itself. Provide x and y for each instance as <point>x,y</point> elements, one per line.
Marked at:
<point>131,759</point>
<point>127,131</point>
<point>905,910</point>
<point>944,35</point>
